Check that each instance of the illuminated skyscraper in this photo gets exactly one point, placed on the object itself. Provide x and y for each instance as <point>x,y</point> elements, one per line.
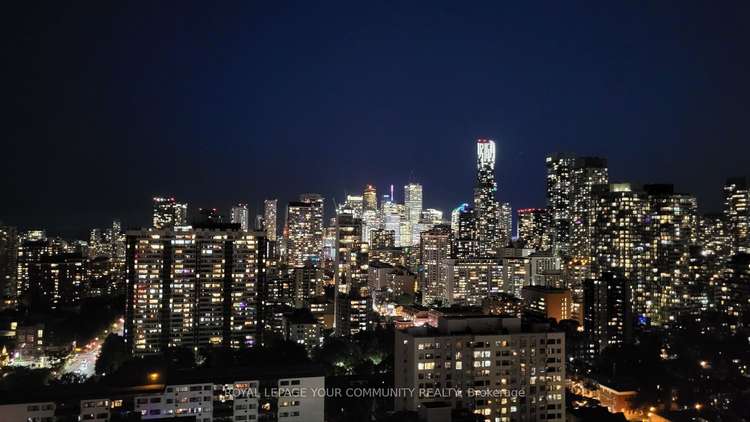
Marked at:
<point>168,213</point>
<point>620,240</point>
<point>61,281</point>
<point>8,267</point>
<point>32,251</point>
<point>570,181</point>
<point>191,287</point>
<point>607,313</point>
<point>97,246</point>
<point>716,250</point>
<point>413,202</point>
<point>505,224</point>
<point>371,220</point>
<point>485,204</point>
<point>350,254</point>
<point>466,242</point>
<point>354,206</point>
<point>435,250</point>
<point>737,212</point>
<point>454,217</point>
<point>308,283</point>
<point>241,216</point>
<point>304,221</point>
<point>391,217</point>
<point>671,230</point>
<point>733,290</point>
<point>270,218</point>
<point>533,228</point>
<point>370,198</point>
<point>432,216</point>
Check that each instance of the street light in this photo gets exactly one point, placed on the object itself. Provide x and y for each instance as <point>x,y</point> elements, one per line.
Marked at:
<point>153,377</point>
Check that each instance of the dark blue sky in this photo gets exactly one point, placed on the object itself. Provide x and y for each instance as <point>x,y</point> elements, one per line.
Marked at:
<point>109,103</point>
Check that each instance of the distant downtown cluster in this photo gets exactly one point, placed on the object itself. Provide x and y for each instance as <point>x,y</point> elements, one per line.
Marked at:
<point>473,308</point>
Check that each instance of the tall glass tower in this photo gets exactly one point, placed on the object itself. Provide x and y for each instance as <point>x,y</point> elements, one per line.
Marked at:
<point>485,205</point>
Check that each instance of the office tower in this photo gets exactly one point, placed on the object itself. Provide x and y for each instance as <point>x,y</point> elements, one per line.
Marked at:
<point>607,317</point>
<point>671,230</point>
<point>533,228</point>
<point>168,213</point>
<point>455,215</point>
<point>471,280</point>
<point>485,205</point>
<point>370,198</point>
<point>413,202</point>
<point>269,218</point>
<point>304,221</point>
<point>737,212</point>
<point>484,354</point>
<point>371,220</point>
<point>32,235</point>
<point>435,250</point>
<point>405,227</point>
<point>192,287</point>
<point>354,206</point>
<point>241,216</point>
<point>431,216</point>
<point>391,217</point>
<point>505,224</point>
<point>466,241</point>
<point>619,239</point>
<point>329,244</point>
<point>570,181</point>
<point>116,241</point>
<point>548,302</point>
<point>8,266</point>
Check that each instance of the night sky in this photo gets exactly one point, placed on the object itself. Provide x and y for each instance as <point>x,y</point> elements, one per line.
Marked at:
<point>108,103</point>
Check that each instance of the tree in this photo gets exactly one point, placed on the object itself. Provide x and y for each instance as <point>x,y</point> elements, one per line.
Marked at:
<point>69,378</point>
<point>113,354</point>
<point>20,379</point>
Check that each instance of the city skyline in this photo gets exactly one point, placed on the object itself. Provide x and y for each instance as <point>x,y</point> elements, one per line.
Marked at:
<point>375,212</point>
<point>256,206</point>
<point>660,99</point>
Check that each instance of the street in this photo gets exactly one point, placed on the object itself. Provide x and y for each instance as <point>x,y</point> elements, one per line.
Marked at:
<point>83,358</point>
